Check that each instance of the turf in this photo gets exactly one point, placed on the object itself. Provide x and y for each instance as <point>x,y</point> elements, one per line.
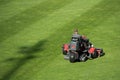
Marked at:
<point>32,33</point>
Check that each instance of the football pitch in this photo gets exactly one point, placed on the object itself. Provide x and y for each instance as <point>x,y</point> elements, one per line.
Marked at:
<point>32,33</point>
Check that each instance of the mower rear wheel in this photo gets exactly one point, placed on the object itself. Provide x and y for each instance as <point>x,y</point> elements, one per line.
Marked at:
<point>102,53</point>
<point>95,55</point>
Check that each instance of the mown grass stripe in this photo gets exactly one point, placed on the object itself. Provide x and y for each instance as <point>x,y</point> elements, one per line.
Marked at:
<point>15,7</point>
<point>96,15</point>
<point>26,18</point>
<point>4,2</point>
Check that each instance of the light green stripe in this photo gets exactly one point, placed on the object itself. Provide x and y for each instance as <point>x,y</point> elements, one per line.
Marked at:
<point>14,7</point>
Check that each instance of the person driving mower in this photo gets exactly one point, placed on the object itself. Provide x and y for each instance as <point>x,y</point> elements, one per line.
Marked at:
<point>84,41</point>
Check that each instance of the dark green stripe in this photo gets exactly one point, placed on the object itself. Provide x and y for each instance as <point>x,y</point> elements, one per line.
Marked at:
<point>4,2</point>
<point>28,17</point>
<point>96,15</point>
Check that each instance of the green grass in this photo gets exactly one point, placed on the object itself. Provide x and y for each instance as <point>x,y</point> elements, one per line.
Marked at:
<point>32,33</point>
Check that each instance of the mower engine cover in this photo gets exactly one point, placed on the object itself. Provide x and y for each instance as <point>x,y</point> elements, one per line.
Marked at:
<point>74,46</point>
<point>75,43</point>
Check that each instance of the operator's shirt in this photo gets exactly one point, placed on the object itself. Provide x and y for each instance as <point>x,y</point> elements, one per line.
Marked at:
<point>76,35</point>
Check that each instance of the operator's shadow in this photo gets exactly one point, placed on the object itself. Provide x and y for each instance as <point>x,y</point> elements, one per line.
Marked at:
<point>28,54</point>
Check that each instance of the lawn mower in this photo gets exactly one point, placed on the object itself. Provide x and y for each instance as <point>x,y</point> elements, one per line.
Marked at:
<point>76,51</point>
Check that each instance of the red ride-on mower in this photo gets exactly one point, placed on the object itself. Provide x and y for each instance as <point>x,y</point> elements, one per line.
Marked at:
<point>75,52</point>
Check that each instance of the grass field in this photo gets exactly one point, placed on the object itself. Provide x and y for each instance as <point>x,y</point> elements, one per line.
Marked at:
<point>33,31</point>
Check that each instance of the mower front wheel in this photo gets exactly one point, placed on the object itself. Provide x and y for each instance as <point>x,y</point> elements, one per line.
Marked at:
<point>73,57</point>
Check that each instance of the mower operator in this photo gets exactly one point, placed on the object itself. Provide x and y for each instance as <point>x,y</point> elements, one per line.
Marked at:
<point>76,33</point>
<point>83,40</point>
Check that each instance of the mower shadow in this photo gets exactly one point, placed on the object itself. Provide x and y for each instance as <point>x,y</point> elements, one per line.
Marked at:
<point>29,54</point>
